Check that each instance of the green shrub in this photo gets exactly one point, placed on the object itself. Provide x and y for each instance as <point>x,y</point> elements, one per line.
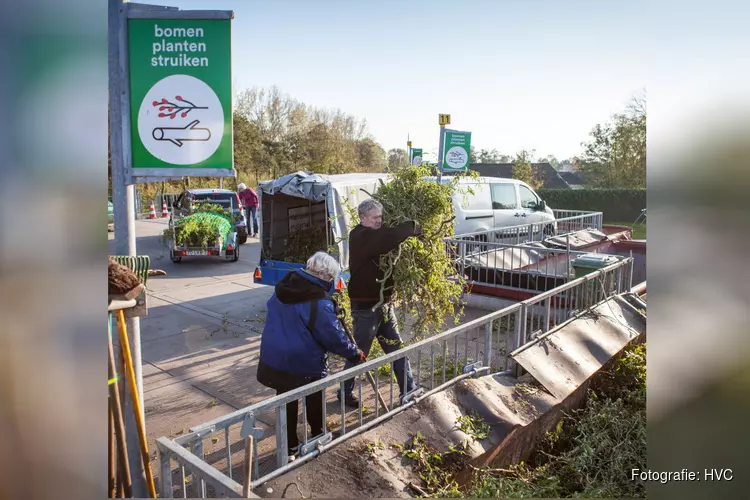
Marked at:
<point>615,204</point>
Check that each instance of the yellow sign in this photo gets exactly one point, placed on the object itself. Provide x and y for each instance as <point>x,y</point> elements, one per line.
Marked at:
<point>445,120</point>
<point>408,144</point>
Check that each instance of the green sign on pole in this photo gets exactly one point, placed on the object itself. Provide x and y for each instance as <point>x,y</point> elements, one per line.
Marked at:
<point>180,96</point>
<point>456,149</point>
<point>416,156</point>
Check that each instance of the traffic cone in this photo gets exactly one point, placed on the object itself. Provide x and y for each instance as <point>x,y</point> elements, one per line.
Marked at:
<point>164,212</point>
<point>152,211</point>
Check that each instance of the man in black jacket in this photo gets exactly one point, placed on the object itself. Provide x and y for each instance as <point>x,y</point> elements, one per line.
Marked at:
<point>367,242</point>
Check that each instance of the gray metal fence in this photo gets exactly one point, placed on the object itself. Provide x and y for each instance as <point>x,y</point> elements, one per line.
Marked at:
<point>551,309</point>
<point>478,347</point>
<point>565,222</point>
<point>530,268</point>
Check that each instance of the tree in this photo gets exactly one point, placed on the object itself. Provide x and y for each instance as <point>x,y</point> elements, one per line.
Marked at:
<point>487,156</point>
<point>247,149</point>
<point>616,154</point>
<point>565,165</point>
<point>522,169</point>
<point>319,149</point>
<point>292,136</point>
<point>370,156</point>
<point>551,160</point>
<point>396,158</point>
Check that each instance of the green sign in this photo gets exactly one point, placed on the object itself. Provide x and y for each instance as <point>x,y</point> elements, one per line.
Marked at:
<point>457,147</point>
<point>180,93</point>
<point>416,157</point>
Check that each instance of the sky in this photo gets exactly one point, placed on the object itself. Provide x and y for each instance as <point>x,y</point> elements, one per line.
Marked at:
<point>535,75</point>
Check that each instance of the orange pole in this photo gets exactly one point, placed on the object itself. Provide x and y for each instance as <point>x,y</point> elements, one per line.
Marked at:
<point>136,402</point>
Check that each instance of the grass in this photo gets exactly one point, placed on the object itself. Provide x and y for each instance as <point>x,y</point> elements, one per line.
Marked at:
<point>639,230</point>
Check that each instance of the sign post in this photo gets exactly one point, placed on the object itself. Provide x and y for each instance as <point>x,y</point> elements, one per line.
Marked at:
<point>184,58</point>
<point>415,157</point>
<point>443,120</point>
<point>123,196</point>
<point>457,150</point>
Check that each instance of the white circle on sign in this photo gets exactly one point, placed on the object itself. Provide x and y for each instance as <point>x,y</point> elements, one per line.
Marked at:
<point>417,160</point>
<point>181,120</point>
<point>456,157</point>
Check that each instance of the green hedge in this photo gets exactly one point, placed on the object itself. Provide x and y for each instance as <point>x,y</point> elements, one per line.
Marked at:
<point>618,205</point>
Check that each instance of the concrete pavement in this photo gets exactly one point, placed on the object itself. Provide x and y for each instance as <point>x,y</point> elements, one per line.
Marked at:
<point>201,337</point>
<point>200,341</point>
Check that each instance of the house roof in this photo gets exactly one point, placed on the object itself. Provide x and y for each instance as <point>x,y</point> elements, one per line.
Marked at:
<point>544,171</point>
<point>572,178</point>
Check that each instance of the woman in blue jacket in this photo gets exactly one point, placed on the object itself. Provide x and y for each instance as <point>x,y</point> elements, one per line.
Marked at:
<point>301,329</point>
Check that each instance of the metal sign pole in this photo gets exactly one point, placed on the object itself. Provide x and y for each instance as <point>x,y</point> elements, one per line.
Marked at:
<point>440,152</point>
<point>123,191</point>
<point>123,201</point>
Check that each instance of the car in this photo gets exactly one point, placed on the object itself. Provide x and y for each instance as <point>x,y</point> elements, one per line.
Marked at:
<point>230,200</point>
<point>499,203</point>
<point>110,212</point>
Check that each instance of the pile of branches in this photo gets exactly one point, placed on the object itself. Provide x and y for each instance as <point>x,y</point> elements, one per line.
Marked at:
<point>426,285</point>
<point>201,229</point>
<point>304,242</point>
<point>215,208</point>
<point>584,456</point>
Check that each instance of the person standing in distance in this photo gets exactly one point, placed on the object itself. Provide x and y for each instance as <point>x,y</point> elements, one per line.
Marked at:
<point>249,199</point>
<point>367,242</point>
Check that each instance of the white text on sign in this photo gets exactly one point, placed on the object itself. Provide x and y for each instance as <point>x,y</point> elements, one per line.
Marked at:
<point>181,59</point>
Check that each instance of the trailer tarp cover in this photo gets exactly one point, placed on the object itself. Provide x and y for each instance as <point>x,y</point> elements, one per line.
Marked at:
<point>336,190</point>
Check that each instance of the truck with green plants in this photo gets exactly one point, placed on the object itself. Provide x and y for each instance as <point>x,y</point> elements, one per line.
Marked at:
<point>209,230</point>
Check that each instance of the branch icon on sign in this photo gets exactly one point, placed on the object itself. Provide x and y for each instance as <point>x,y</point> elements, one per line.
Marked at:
<point>178,135</point>
<point>172,109</point>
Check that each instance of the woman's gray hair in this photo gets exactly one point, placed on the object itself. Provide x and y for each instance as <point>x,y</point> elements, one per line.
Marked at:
<point>367,206</point>
<point>323,266</point>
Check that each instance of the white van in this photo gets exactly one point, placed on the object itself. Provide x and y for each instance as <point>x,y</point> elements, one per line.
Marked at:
<point>498,203</point>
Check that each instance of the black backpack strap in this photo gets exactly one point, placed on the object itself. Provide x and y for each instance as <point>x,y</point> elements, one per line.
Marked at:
<point>314,311</point>
<point>313,314</point>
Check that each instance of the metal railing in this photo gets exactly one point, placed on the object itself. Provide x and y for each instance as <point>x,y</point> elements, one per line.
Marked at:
<point>219,484</point>
<point>474,348</point>
<point>565,222</point>
<point>478,347</point>
<point>530,268</point>
<point>552,309</point>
